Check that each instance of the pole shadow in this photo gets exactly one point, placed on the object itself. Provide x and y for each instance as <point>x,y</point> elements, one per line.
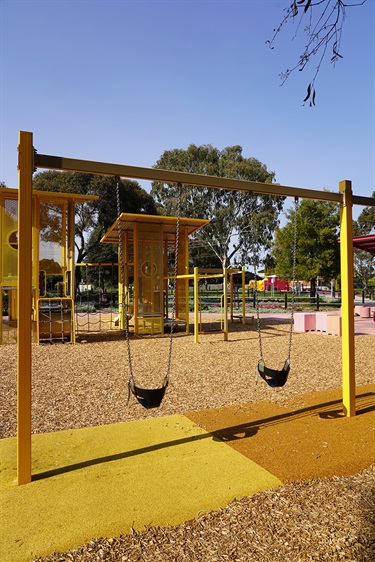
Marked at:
<point>241,431</point>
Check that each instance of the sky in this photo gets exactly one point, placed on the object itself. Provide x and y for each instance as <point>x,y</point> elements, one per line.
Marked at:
<point>123,81</point>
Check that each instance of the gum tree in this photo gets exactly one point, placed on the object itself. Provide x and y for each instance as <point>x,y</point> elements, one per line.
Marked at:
<point>228,235</point>
<point>317,248</point>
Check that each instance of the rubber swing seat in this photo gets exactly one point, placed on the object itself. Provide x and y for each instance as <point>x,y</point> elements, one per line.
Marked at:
<point>148,397</point>
<point>273,377</point>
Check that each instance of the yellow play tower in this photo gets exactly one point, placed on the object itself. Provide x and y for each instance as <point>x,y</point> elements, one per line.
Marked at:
<point>52,242</point>
<point>146,242</point>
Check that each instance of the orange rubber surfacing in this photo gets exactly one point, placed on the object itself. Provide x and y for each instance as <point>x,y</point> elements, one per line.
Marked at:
<point>309,437</point>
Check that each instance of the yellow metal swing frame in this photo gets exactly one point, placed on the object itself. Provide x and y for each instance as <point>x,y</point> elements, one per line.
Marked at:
<point>29,160</point>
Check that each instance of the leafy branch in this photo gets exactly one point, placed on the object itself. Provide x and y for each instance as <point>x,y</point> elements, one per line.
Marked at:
<point>324,21</point>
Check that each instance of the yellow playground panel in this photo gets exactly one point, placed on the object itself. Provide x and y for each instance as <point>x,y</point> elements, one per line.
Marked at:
<point>258,285</point>
<point>52,262</point>
<point>147,241</point>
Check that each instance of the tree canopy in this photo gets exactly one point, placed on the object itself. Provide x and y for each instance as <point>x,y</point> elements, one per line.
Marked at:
<point>366,220</point>
<point>228,235</point>
<point>317,248</point>
<point>364,262</point>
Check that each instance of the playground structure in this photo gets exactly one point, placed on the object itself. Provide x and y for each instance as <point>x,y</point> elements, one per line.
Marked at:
<point>29,160</point>
<point>98,310</point>
<point>52,274</point>
<point>146,240</point>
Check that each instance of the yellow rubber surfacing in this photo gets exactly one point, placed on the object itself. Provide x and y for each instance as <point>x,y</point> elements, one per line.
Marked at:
<point>102,481</point>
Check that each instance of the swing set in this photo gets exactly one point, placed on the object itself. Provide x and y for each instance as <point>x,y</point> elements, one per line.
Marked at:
<point>29,160</point>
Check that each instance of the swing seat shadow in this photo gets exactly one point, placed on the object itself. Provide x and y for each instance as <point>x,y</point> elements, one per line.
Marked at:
<point>323,410</point>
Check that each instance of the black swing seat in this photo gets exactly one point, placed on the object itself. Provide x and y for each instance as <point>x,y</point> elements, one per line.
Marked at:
<point>274,377</point>
<point>148,397</point>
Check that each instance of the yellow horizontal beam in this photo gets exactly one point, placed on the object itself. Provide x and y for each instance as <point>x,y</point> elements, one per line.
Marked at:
<point>12,193</point>
<point>55,299</point>
<point>75,197</point>
<point>171,278</point>
<point>169,176</point>
<point>83,264</point>
<point>191,276</point>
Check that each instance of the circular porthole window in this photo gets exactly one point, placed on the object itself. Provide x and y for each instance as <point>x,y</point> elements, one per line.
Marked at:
<point>148,268</point>
<point>13,240</point>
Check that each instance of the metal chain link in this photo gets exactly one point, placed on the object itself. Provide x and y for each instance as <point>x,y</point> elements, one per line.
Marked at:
<point>177,243</point>
<point>253,236</point>
<point>296,206</point>
<point>255,257</point>
<point>123,306</point>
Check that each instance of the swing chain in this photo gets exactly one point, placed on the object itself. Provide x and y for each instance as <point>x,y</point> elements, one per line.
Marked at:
<point>296,206</point>
<point>177,243</point>
<point>253,237</point>
<point>122,305</point>
<point>255,256</point>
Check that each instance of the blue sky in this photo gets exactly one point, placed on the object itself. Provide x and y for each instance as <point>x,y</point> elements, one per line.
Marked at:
<point>122,81</point>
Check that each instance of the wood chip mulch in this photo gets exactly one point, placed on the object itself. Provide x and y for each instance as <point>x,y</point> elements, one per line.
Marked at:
<point>86,385</point>
<point>329,519</point>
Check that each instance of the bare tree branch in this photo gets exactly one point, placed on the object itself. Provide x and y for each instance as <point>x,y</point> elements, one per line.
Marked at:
<point>324,21</point>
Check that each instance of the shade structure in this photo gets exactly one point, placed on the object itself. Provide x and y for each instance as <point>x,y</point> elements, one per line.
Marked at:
<point>366,243</point>
<point>129,220</point>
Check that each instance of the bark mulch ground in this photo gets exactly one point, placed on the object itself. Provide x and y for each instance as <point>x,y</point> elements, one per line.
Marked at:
<point>309,519</point>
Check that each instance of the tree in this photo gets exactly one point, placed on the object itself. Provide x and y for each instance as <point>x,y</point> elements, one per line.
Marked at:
<point>228,233</point>
<point>317,248</point>
<point>366,220</point>
<point>364,262</point>
<point>364,267</point>
<point>322,22</point>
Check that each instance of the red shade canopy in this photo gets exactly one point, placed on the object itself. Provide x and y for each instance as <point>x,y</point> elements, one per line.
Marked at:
<point>366,243</point>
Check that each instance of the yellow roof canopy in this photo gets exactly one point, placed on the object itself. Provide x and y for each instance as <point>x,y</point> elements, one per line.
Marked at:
<point>129,220</point>
<point>49,196</point>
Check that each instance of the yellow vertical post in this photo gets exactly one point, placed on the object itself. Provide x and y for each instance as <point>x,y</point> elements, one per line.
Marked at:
<point>24,365</point>
<point>35,250</point>
<point>165,274</point>
<point>1,265</point>
<point>126,258</point>
<point>122,294</point>
<point>1,314</point>
<point>71,260</point>
<point>185,272</point>
<point>160,281</point>
<point>243,295</point>
<point>225,287</point>
<point>136,277</point>
<point>35,264</point>
<point>196,305</point>
<point>71,292</point>
<point>347,296</point>
<point>63,241</point>
<point>231,297</point>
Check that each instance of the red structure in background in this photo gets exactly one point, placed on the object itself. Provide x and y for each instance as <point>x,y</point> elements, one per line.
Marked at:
<point>273,282</point>
<point>366,243</point>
